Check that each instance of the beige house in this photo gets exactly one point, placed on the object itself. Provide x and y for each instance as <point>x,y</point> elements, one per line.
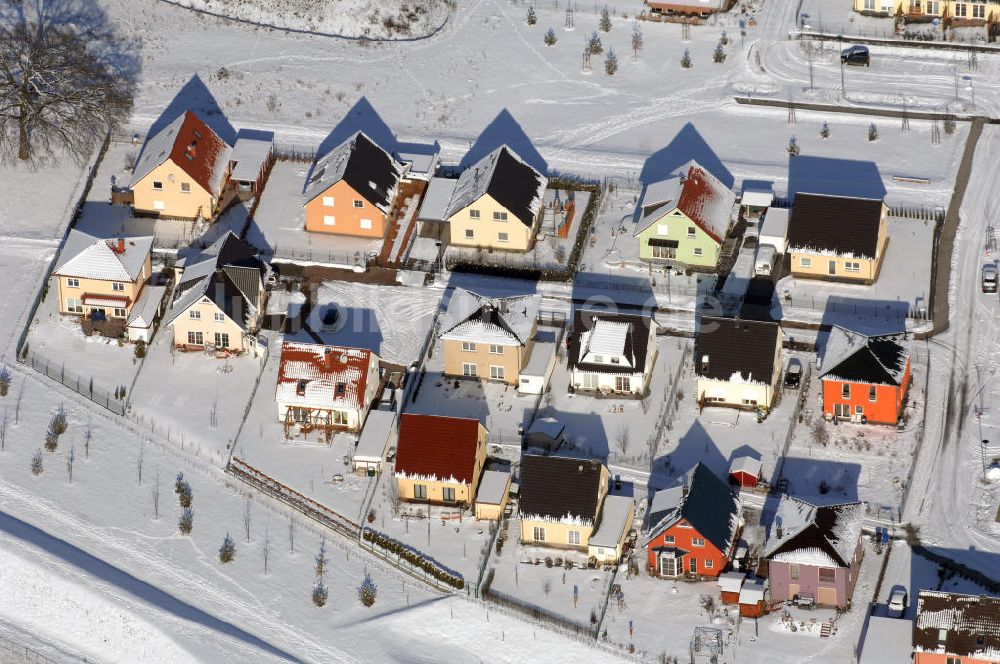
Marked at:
<point>497,203</point>
<point>439,460</point>
<point>182,171</point>
<point>102,278</point>
<point>955,13</point>
<point>611,352</point>
<point>838,238</point>
<point>219,298</point>
<point>738,362</point>
<point>488,338</point>
<point>493,495</point>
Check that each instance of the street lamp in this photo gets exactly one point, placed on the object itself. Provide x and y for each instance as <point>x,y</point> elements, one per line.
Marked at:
<point>840,40</point>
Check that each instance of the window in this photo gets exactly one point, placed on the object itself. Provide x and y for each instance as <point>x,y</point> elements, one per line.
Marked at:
<point>978,11</point>
<point>469,369</point>
<point>615,360</point>
<point>793,572</point>
<point>573,537</point>
<point>590,381</point>
<point>693,565</point>
<point>448,494</point>
<point>623,384</point>
<point>366,224</point>
<point>826,574</point>
<point>668,539</point>
<point>749,402</point>
<point>915,6</point>
<point>845,391</point>
<point>960,9</point>
<point>185,187</point>
<point>339,390</point>
<point>496,349</point>
<point>195,339</point>
<point>469,234</point>
<point>420,491</point>
<point>871,393</point>
<point>219,317</point>
<point>340,417</point>
<point>662,252</point>
<point>468,345</point>
<point>870,5</point>
<point>499,216</point>
<point>358,203</point>
<point>72,283</point>
<point>117,286</point>
<point>691,231</point>
<point>954,660</point>
<point>74,306</point>
<point>599,359</point>
<point>473,214</point>
<point>805,262</point>
<point>502,237</point>
<point>221,340</point>
<point>157,185</point>
<point>538,534</point>
<point>852,266</point>
<point>496,372</point>
<point>662,229</point>
<point>329,220</point>
<point>860,410</point>
<point>697,541</point>
<point>669,566</point>
<point>194,314</point>
<point>697,251</point>
<point>328,201</point>
<point>934,7</point>
<point>119,313</point>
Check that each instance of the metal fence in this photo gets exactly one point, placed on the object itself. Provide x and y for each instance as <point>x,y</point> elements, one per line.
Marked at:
<point>345,259</point>
<point>800,398</point>
<point>15,653</point>
<point>926,36</point>
<point>83,385</point>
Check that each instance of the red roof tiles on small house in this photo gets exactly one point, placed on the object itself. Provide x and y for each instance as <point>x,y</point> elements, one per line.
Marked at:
<point>318,376</point>
<point>437,447</point>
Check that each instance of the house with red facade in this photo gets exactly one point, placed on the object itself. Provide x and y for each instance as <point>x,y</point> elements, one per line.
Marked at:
<point>865,378</point>
<point>814,552</point>
<point>693,527</point>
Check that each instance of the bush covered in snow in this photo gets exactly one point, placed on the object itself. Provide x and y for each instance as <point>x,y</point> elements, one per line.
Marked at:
<point>594,45</point>
<point>320,594</point>
<point>186,522</point>
<point>532,19</point>
<point>686,60</point>
<point>413,557</point>
<point>550,38</point>
<point>611,63</point>
<point>36,463</point>
<point>5,380</point>
<point>367,591</point>
<point>227,552</point>
<point>605,19</point>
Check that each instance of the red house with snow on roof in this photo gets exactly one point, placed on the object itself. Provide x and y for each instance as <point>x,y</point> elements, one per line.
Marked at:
<point>439,460</point>
<point>865,378</point>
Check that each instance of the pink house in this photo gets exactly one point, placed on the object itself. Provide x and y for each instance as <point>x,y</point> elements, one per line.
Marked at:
<point>814,552</point>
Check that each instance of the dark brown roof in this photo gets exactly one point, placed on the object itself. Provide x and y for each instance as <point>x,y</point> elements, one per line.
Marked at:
<point>437,446</point>
<point>636,341</point>
<point>971,623</point>
<point>839,224</point>
<point>736,346</point>
<point>557,487</point>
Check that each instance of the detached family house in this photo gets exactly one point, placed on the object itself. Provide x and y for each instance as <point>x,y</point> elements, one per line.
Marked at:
<point>738,362</point>
<point>326,387</point>
<point>564,504</point>
<point>181,171</point>
<point>488,338</point>
<point>701,8</point>
<point>611,352</point>
<point>219,298</point>
<point>865,378</point>
<point>693,528</point>
<point>684,219</point>
<point>838,238</point>
<point>954,628</point>
<point>814,552</point>
<point>352,190</point>
<point>497,203</point>
<point>439,460</point>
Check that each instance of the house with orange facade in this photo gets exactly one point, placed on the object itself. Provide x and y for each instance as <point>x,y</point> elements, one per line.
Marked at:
<point>352,189</point>
<point>954,628</point>
<point>865,378</point>
<point>694,527</point>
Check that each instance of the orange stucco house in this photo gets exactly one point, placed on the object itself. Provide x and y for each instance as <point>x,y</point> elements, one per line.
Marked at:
<point>865,378</point>
<point>352,189</point>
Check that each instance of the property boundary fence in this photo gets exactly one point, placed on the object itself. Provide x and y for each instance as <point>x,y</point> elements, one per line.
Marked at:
<point>495,526</point>
<point>554,620</point>
<point>668,407</point>
<point>794,420</point>
<point>82,386</point>
<point>921,39</point>
<point>15,653</point>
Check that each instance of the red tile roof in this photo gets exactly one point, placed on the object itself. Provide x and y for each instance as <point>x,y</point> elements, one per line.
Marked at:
<point>319,370</point>
<point>706,202</point>
<point>438,447</point>
<point>196,151</point>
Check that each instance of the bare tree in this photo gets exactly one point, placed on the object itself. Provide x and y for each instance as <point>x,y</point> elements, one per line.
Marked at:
<point>247,518</point>
<point>65,78</point>
<point>3,431</point>
<point>69,463</point>
<point>266,548</point>
<point>156,496</point>
<point>291,534</point>
<point>622,439</point>
<point>87,435</point>
<point>138,462</point>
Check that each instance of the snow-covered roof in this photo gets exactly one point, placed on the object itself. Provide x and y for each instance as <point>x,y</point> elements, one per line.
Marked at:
<point>107,259</point>
<point>422,159</point>
<point>508,179</point>
<point>624,337</point>
<point>249,156</point>
<point>774,224</point>
<point>614,521</point>
<point>493,486</point>
<point>434,206</point>
<point>731,582</point>
<point>318,376</point>
<point>367,167</point>
<point>542,352</point>
<point>660,193</point>
<point>547,426</point>
<point>757,195</point>
<point>887,640</point>
<point>703,199</point>
<point>746,464</point>
<point>856,357</point>
<point>805,534</point>
<point>193,146</point>
<point>753,591</point>
<point>376,435</point>
<point>958,624</point>
<point>144,310</point>
<point>505,320</point>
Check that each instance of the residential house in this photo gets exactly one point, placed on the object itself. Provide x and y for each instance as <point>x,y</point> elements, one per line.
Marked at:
<point>488,338</point>
<point>181,171</point>
<point>325,387</point>
<point>701,8</point>
<point>865,378</point>
<point>611,352</point>
<point>954,628</point>
<point>693,527</point>
<point>562,504</point>
<point>953,13</point>
<point>219,298</point>
<point>838,238</point>
<point>814,551</point>
<point>738,362</point>
<point>684,219</point>
<point>497,203</point>
<point>102,278</point>
<point>352,189</point>
<point>439,460</point>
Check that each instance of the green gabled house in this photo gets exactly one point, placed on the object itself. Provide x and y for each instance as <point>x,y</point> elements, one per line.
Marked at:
<point>683,219</point>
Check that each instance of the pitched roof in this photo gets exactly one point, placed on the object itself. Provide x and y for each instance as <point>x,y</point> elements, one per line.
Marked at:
<point>435,447</point>
<point>193,146</point>
<point>560,489</point>
<point>970,624</point>
<point>361,163</point>
<point>852,356</point>
<point>705,501</point>
<point>604,333</point>
<point>703,198</point>
<point>746,464</point>
<point>250,153</point>
<point>508,179</point>
<point>106,259</point>
<point>738,350</point>
<point>144,310</point>
<point>819,536</point>
<point>502,320</point>
<point>835,225</point>
<point>319,376</point>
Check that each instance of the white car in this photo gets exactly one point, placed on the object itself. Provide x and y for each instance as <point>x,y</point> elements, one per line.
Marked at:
<point>897,602</point>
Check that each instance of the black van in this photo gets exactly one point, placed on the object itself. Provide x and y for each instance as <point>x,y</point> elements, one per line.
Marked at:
<point>856,55</point>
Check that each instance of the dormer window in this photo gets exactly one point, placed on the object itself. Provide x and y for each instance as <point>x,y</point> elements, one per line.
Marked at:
<point>340,390</point>
<point>300,388</point>
<point>599,359</point>
<point>615,360</point>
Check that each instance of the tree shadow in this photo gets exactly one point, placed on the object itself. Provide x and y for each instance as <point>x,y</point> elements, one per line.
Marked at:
<point>504,130</point>
<point>615,293</point>
<point>695,446</point>
<point>585,433</point>
<point>688,144</point>
<point>835,177</point>
<point>361,117</point>
<point>353,327</point>
<point>870,317</point>
<point>196,97</point>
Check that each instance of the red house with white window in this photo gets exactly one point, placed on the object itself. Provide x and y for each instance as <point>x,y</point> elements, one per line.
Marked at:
<point>693,528</point>
<point>865,378</point>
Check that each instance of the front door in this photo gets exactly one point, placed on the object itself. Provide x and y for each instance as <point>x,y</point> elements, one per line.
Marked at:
<point>668,565</point>
<point>833,267</point>
<point>826,596</point>
<point>842,410</point>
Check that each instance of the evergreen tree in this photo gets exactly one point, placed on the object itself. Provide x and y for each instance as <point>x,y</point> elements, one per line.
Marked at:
<point>186,522</point>
<point>367,591</point>
<point>611,62</point>
<point>720,53</point>
<point>59,424</point>
<point>320,594</point>
<point>872,132</point>
<point>36,463</point>
<point>179,483</point>
<point>5,381</point>
<point>686,60</point>
<point>793,146</point>
<point>532,19</point>
<point>227,552</point>
<point>550,37</point>
<point>605,20</point>
<point>594,44</point>
<point>824,132</point>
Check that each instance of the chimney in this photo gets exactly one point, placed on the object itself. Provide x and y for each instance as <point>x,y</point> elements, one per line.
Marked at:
<point>778,531</point>
<point>328,359</point>
<point>121,245</point>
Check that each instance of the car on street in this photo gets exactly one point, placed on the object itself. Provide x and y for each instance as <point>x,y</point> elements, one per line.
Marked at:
<point>856,55</point>
<point>989,279</point>
<point>897,602</point>
<point>793,375</point>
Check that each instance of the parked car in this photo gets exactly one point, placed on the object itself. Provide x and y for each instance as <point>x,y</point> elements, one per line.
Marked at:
<point>764,262</point>
<point>989,279</point>
<point>897,602</point>
<point>856,55</point>
<point>793,375</point>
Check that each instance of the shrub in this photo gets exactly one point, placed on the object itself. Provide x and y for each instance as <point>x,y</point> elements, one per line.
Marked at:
<point>36,463</point>
<point>51,441</point>
<point>611,62</point>
<point>367,591</point>
<point>532,19</point>
<point>5,380</point>
<point>872,132</point>
<point>186,496</point>
<point>793,146</point>
<point>414,558</point>
<point>140,349</point>
<point>949,125</point>
<point>594,45</point>
<point>686,60</point>
<point>227,552</point>
<point>179,483</point>
<point>59,423</point>
<point>186,522</point>
<point>720,53</point>
<point>605,23</point>
<point>550,38</point>
<point>320,594</point>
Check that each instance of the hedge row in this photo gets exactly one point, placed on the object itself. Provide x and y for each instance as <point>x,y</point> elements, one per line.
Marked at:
<point>398,548</point>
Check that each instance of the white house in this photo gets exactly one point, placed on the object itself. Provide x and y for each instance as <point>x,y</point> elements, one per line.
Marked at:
<point>611,352</point>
